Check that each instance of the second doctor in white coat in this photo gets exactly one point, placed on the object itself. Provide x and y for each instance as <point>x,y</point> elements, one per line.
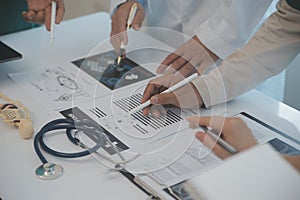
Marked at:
<point>217,27</point>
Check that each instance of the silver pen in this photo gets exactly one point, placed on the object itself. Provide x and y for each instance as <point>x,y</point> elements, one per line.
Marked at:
<point>209,131</point>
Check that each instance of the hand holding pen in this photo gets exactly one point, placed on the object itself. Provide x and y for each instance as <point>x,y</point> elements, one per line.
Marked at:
<point>39,12</point>
<point>131,15</point>
<point>235,135</point>
<point>186,96</point>
<point>120,20</point>
<point>174,87</point>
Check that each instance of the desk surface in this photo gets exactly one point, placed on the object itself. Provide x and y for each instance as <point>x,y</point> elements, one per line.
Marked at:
<point>84,180</point>
<point>81,180</point>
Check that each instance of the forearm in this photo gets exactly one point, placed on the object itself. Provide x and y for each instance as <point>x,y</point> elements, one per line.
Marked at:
<point>270,50</point>
<point>236,75</point>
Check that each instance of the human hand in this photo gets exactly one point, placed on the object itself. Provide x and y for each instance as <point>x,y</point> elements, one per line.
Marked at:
<point>233,130</point>
<point>186,96</point>
<point>118,32</point>
<point>190,57</point>
<point>39,11</point>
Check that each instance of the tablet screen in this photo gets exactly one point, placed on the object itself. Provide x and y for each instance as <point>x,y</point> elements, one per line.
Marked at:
<point>7,53</point>
<point>103,67</point>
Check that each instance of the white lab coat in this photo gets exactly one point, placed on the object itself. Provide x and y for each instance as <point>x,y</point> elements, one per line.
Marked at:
<point>221,25</point>
<point>267,54</point>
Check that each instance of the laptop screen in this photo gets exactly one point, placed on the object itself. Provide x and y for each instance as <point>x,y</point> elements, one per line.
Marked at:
<point>7,53</point>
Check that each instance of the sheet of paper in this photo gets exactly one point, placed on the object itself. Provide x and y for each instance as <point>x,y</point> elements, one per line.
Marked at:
<point>195,160</point>
<point>190,164</point>
<point>69,84</point>
<point>58,87</point>
<point>160,141</point>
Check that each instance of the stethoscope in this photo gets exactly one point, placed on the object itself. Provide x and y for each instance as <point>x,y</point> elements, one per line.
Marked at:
<point>49,171</point>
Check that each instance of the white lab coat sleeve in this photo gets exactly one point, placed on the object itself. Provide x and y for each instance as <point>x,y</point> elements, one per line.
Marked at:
<point>231,25</point>
<point>268,53</point>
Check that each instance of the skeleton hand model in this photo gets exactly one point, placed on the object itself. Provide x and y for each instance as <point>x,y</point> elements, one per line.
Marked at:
<point>15,114</point>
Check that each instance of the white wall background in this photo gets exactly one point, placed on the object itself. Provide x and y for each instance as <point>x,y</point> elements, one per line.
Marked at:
<point>76,8</point>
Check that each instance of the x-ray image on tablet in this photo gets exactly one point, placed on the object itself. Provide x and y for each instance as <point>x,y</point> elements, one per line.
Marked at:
<point>103,67</point>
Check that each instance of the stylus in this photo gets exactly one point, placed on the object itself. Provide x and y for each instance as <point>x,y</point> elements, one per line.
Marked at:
<point>171,89</point>
<point>53,14</point>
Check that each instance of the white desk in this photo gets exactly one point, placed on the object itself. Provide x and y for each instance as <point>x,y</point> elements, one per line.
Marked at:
<point>84,180</point>
<point>81,180</point>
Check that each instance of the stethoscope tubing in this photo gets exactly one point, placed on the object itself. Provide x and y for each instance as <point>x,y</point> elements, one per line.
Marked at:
<point>69,125</point>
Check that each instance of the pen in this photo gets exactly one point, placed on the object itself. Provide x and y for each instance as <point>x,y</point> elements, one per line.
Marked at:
<point>129,22</point>
<point>121,53</point>
<point>53,14</point>
<point>171,89</point>
<point>209,131</point>
<point>131,15</point>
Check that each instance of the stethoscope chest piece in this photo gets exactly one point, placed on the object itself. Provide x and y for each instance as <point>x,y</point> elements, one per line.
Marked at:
<point>49,171</point>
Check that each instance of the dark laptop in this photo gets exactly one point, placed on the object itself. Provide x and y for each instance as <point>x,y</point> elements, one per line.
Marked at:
<point>7,53</point>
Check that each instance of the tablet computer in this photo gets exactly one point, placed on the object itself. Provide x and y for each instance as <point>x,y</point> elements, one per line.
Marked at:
<point>7,53</point>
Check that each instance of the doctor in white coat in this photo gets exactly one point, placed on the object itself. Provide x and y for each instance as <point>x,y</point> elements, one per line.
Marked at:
<point>267,53</point>
<point>216,28</point>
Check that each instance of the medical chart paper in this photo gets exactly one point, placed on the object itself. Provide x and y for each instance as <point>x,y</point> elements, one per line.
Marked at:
<point>160,141</point>
<point>65,85</point>
<point>194,161</point>
<point>264,133</point>
<point>58,87</point>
